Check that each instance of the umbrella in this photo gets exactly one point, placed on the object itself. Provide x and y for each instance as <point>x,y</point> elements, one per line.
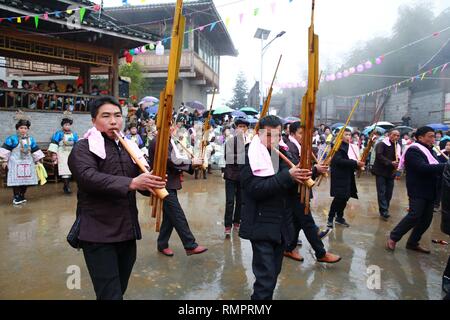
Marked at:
<point>252,120</point>
<point>291,119</point>
<point>339,128</point>
<point>238,113</point>
<point>149,99</point>
<point>195,105</point>
<point>222,110</point>
<point>249,110</point>
<point>153,109</point>
<point>438,126</point>
<point>404,129</point>
<point>369,129</point>
<point>339,124</point>
<point>385,125</point>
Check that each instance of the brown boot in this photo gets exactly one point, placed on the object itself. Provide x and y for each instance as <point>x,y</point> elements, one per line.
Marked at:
<point>294,255</point>
<point>329,258</point>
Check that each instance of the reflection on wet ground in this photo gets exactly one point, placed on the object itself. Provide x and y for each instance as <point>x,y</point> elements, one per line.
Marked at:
<point>34,255</point>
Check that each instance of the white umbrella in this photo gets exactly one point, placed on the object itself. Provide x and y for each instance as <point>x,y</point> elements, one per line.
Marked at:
<point>384,124</point>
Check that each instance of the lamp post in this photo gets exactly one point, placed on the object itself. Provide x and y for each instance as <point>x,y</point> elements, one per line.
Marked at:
<point>263,34</point>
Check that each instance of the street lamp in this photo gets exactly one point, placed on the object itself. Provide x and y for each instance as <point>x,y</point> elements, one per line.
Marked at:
<point>263,34</point>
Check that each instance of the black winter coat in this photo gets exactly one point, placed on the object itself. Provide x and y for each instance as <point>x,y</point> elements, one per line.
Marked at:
<point>234,154</point>
<point>343,184</point>
<point>106,207</point>
<point>421,177</point>
<point>385,155</point>
<point>265,213</point>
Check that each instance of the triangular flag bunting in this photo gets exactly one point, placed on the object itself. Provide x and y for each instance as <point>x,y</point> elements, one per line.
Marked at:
<point>212,26</point>
<point>445,66</point>
<point>10,19</point>
<point>19,20</point>
<point>36,21</point>
<point>255,12</point>
<point>201,28</point>
<point>227,22</point>
<point>46,16</point>
<point>241,17</point>
<point>82,12</point>
<point>27,18</point>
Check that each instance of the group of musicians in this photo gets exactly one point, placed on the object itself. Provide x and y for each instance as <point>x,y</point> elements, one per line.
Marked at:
<point>262,193</point>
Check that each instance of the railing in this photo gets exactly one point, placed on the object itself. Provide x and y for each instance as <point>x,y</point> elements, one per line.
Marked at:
<point>43,100</point>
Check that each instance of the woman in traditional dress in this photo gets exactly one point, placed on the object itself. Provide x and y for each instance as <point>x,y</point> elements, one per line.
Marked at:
<point>21,154</point>
<point>61,146</point>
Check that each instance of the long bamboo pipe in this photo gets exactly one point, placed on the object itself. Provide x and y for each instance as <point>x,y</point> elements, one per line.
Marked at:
<point>309,183</point>
<point>160,193</point>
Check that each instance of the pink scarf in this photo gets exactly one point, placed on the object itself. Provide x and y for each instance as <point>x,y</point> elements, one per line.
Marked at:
<point>97,145</point>
<point>387,142</point>
<point>259,158</point>
<point>352,152</point>
<point>425,151</point>
<point>96,142</point>
<point>294,141</point>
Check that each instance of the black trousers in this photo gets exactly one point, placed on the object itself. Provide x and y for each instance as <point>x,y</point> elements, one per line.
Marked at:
<point>232,202</point>
<point>305,222</point>
<point>337,208</point>
<point>266,265</point>
<point>110,266</point>
<point>418,218</point>
<point>174,218</point>
<point>19,190</point>
<point>385,188</point>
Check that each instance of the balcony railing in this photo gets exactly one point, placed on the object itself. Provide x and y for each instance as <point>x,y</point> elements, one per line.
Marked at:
<point>44,100</point>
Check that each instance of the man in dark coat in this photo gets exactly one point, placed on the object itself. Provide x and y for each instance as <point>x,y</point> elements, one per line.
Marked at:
<point>445,224</point>
<point>107,214</point>
<point>234,157</point>
<point>300,219</point>
<point>266,214</point>
<point>343,185</point>
<point>384,169</point>
<point>173,214</point>
<point>422,172</point>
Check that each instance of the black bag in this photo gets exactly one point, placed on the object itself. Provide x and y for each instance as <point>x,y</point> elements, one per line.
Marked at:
<point>72,237</point>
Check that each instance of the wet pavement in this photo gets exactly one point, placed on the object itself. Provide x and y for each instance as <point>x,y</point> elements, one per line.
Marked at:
<point>34,255</point>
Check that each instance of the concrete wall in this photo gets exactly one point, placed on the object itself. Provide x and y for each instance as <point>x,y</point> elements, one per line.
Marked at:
<point>427,108</point>
<point>43,124</point>
<point>432,106</point>
<point>397,106</point>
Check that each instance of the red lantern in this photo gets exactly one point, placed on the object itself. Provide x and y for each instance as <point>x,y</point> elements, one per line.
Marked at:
<point>129,58</point>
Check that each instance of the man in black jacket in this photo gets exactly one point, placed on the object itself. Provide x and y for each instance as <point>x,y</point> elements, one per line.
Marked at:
<point>385,166</point>
<point>173,214</point>
<point>422,172</point>
<point>107,182</point>
<point>234,157</point>
<point>445,224</point>
<point>343,185</point>
<point>266,213</point>
<point>301,220</point>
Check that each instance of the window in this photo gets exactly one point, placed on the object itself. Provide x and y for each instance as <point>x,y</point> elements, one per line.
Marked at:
<point>206,51</point>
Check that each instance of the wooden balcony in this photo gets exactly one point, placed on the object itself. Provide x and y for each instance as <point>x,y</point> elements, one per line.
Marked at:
<point>191,66</point>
